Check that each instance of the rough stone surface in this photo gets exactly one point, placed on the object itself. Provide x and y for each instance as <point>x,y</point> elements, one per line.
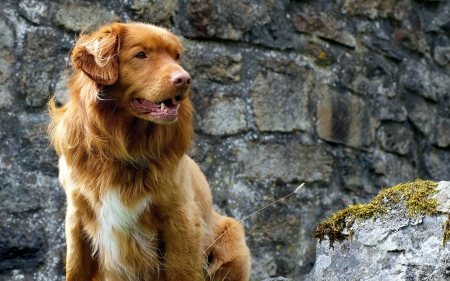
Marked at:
<point>345,119</point>
<point>289,162</point>
<point>443,137</point>
<point>224,117</point>
<point>281,102</point>
<point>347,96</point>
<point>395,137</point>
<point>394,246</point>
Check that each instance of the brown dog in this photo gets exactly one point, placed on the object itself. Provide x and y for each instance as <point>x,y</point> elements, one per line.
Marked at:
<point>138,208</point>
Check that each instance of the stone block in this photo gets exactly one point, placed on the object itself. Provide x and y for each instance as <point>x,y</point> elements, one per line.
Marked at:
<point>6,65</point>
<point>224,116</point>
<point>84,16</point>
<point>413,39</point>
<point>442,55</point>
<point>280,101</point>
<point>325,26</point>
<point>422,114</point>
<point>158,12</point>
<point>36,82</point>
<point>344,119</point>
<point>34,152</point>
<point>212,62</point>
<point>397,9</point>
<point>430,84</point>
<point>224,19</point>
<point>290,162</point>
<point>20,248</point>
<point>373,75</point>
<point>395,137</point>
<point>6,68</point>
<point>389,111</point>
<point>443,132</point>
<point>17,196</point>
<point>259,22</point>
<point>391,169</point>
<point>37,12</point>
<point>436,163</point>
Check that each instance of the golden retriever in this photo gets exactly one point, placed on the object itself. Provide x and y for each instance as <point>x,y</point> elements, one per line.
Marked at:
<point>138,208</point>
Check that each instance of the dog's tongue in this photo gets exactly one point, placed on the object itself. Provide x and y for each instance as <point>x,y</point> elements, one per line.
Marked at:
<point>167,108</point>
<point>145,106</point>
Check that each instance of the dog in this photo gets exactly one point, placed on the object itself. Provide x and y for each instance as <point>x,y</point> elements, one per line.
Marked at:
<point>138,208</point>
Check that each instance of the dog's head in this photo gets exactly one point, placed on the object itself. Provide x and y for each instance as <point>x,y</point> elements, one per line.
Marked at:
<point>138,66</point>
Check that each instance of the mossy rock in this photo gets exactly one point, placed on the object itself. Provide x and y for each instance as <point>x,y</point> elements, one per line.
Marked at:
<point>417,197</point>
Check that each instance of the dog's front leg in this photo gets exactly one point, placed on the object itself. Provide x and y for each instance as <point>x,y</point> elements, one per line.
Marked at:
<point>183,235</point>
<point>79,263</point>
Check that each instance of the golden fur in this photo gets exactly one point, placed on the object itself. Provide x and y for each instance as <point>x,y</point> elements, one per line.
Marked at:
<point>138,208</point>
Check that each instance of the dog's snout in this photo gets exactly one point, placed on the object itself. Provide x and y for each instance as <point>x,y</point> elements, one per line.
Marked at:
<point>181,79</point>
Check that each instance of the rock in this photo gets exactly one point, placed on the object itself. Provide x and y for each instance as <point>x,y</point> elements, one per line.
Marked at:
<point>436,162</point>
<point>389,111</point>
<point>278,279</point>
<point>36,82</point>
<point>219,64</point>
<point>393,245</point>
<point>259,22</point>
<point>61,91</point>
<point>391,168</point>
<point>20,249</point>
<point>236,18</point>
<point>281,102</point>
<point>442,55</point>
<point>7,59</point>
<point>321,52</point>
<point>443,137</point>
<point>325,26</point>
<point>343,119</point>
<point>153,11</point>
<point>429,84</point>
<point>374,76</point>
<point>413,39</point>
<point>373,9</point>
<point>394,137</point>
<point>83,16</point>
<point>290,162</point>
<point>422,114</point>
<point>224,117</point>
<point>35,11</point>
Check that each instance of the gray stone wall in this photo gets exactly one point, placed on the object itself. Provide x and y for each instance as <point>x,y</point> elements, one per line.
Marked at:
<point>346,96</point>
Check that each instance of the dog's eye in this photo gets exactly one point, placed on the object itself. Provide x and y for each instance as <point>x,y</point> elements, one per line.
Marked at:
<point>141,55</point>
<point>178,56</point>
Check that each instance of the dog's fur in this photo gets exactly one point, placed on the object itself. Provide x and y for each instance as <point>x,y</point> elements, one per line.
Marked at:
<point>138,208</point>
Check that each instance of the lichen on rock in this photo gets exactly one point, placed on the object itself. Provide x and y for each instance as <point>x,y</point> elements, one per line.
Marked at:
<point>401,234</point>
<point>416,196</point>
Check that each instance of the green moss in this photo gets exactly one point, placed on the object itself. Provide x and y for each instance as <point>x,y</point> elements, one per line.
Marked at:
<point>416,196</point>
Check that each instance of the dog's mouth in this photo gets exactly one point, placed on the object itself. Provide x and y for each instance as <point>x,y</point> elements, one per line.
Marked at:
<point>165,111</point>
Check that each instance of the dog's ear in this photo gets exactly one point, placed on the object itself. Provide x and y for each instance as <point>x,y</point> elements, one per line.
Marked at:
<point>96,54</point>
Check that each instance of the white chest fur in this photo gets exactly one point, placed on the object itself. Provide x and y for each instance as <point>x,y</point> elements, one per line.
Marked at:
<point>118,221</point>
<point>115,215</point>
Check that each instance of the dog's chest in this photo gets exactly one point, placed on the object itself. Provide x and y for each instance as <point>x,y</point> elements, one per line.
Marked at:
<point>115,215</point>
<point>119,231</point>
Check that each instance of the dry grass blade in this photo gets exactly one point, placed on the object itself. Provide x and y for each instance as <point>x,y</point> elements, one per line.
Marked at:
<point>220,236</point>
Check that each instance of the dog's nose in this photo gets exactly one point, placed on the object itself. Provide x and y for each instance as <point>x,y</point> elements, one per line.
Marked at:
<point>181,79</point>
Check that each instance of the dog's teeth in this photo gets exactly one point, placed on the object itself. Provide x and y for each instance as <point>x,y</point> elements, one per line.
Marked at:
<point>162,106</point>
<point>178,106</point>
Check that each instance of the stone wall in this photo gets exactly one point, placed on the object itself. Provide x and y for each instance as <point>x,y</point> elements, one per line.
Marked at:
<point>346,96</point>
